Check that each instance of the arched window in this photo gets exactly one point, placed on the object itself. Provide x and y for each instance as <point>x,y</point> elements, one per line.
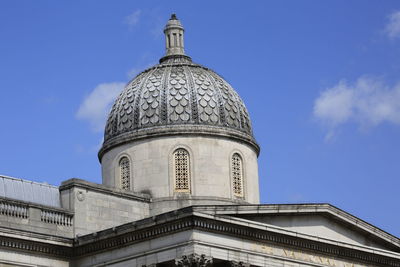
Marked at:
<point>125,173</point>
<point>237,175</point>
<point>181,170</point>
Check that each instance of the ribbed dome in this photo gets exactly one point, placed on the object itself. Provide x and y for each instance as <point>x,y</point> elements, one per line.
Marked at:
<point>174,97</point>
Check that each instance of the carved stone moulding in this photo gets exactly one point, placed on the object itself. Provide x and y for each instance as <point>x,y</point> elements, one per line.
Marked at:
<point>194,260</point>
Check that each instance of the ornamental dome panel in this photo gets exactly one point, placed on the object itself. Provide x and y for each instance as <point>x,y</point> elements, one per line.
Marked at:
<point>177,96</point>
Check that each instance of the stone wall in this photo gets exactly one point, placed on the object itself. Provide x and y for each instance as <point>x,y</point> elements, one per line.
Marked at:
<point>98,207</point>
<point>210,170</point>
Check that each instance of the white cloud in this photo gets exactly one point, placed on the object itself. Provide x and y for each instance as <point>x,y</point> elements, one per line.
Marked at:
<point>97,104</point>
<point>133,18</point>
<point>334,105</point>
<point>392,29</point>
<point>368,102</point>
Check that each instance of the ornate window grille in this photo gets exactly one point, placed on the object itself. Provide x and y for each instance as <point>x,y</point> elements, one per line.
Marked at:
<point>237,175</point>
<point>182,170</point>
<point>125,173</point>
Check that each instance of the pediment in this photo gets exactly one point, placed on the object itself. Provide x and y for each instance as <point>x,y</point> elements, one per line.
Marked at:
<point>321,226</point>
<point>317,220</point>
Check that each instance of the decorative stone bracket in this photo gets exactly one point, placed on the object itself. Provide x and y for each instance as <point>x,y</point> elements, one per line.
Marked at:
<point>194,260</point>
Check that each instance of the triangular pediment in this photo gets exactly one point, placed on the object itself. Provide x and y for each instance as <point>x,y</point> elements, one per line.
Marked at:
<point>315,220</point>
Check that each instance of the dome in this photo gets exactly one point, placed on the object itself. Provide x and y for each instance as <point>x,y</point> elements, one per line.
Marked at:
<point>177,97</point>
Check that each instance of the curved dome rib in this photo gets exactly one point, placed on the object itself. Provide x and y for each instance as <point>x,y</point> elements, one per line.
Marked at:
<point>177,96</point>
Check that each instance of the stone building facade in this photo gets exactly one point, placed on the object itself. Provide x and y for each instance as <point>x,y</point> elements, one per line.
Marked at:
<point>179,188</point>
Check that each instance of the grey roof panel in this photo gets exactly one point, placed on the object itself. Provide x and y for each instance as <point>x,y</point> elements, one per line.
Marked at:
<point>29,191</point>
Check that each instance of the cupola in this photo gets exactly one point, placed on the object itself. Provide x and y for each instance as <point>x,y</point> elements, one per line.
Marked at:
<point>184,132</point>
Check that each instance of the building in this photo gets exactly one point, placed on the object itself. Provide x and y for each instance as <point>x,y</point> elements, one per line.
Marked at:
<point>180,188</point>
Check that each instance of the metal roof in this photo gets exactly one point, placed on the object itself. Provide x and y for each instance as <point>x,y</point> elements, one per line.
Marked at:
<point>29,191</point>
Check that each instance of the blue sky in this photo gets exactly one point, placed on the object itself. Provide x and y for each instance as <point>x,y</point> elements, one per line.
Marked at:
<point>321,80</point>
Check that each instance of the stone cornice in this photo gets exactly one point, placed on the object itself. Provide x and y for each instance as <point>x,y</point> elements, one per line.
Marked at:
<point>121,236</point>
<point>186,130</point>
<point>309,208</point>
<point>184,57</point>
<point>36,237</point>
<point>229,201</point>
<point>187,219</point>
<point>33,246</point>
<point>79,183</point>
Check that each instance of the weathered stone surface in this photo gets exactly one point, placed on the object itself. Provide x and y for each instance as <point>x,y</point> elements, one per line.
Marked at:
<point>98,207</point>
<point>177,93</point>
<point>210,171</point>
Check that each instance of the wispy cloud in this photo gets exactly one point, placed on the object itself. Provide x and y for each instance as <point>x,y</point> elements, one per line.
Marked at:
<point>144,61</point>
<point>151,21</point>
<point>138,68</point>
<point>97,104</point>
<point>88,149</point>
<point>367,102</point>
<point>392,29</point>
<point>133,19</point>
<point>158,24</point>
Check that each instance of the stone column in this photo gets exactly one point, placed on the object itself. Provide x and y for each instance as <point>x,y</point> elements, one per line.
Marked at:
<point>194,260</point>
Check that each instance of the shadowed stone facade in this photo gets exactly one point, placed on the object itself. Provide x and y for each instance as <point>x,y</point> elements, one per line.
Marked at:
<point>180,188</point>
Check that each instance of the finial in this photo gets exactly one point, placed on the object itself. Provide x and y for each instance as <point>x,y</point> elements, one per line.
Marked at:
<point>174,37</point>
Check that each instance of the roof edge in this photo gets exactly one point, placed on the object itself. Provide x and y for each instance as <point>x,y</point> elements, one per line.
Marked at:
<point>188,219</point>
<point>76,182</point>
<point>28,181</point>
<point>304,208</point>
